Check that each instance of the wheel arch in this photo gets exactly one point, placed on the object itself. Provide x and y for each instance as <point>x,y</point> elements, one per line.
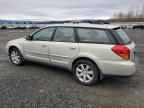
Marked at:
<point>14,46</point>
<point>87,58</point>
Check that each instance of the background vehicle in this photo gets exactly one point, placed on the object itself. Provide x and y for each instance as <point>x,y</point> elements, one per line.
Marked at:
<point>90,51</point>
<point>138,27</point>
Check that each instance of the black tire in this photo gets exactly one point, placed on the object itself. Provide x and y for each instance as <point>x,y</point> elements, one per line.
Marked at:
<point>133,28</point>
<point>92,66</point>
<point>21,59</point>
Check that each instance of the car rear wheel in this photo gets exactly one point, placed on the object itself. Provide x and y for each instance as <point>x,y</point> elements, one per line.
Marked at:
<point>86,72</point>
<point>16,57</point>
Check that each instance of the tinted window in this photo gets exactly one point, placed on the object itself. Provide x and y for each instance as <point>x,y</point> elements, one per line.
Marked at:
<point>64,34</point>
<point>122,35</point>
<point>44,34</point>
<point>93,35</point>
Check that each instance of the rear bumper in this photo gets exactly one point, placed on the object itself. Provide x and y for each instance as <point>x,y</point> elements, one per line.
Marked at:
<point>120,68</point>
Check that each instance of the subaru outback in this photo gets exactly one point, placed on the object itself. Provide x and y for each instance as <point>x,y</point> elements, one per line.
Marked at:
<point>90,51</point>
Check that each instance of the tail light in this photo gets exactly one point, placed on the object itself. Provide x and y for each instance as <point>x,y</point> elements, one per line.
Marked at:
<point>122,51</point>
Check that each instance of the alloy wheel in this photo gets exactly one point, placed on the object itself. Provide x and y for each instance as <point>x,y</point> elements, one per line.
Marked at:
<point>84,73</point>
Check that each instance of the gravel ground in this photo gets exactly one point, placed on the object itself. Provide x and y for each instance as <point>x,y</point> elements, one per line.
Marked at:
<point>41,86</point>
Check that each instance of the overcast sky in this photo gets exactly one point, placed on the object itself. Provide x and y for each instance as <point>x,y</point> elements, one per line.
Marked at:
<point>63,9</point>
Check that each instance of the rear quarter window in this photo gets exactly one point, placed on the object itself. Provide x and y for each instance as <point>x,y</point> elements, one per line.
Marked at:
<point>91,35</point>
<point>123,36</point>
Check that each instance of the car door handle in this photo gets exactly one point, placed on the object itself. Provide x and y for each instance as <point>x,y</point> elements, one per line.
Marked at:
<point>72,47</point>
<point>43,45</point>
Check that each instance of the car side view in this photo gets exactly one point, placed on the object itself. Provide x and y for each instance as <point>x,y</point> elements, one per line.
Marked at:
<point>90,51</point>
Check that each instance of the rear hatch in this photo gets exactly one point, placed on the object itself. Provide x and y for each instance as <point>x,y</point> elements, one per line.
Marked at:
<point>123,39</point>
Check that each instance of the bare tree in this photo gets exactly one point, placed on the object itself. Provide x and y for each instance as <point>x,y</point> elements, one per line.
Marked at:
<point>142,12</point>
<point>132,15</point>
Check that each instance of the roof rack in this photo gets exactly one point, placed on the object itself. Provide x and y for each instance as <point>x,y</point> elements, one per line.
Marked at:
<point>88,21</point>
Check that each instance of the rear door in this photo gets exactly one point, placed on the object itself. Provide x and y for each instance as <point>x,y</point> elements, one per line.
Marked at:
<point>63,47</point>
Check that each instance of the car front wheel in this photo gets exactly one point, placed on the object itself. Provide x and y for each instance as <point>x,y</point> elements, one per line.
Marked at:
<point>16,57</point>
<point>86,72</point>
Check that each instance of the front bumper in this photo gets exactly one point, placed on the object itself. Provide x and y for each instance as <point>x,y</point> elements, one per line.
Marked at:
<point>6,49</point>
<point>120,68</point>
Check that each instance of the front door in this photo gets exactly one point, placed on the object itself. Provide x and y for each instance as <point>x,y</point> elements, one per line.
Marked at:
<point>37,48</point>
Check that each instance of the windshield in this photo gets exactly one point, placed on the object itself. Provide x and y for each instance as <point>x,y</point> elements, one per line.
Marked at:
<point>123,35</point>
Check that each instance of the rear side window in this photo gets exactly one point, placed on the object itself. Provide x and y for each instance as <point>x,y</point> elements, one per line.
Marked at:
<point>94,35</point>
<point>122,35</point>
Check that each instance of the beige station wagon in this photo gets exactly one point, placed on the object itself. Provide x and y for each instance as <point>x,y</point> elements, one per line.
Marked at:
<point>90,51</point>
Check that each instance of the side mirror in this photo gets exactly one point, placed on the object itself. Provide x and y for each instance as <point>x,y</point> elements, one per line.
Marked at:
<point>28,37</point>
